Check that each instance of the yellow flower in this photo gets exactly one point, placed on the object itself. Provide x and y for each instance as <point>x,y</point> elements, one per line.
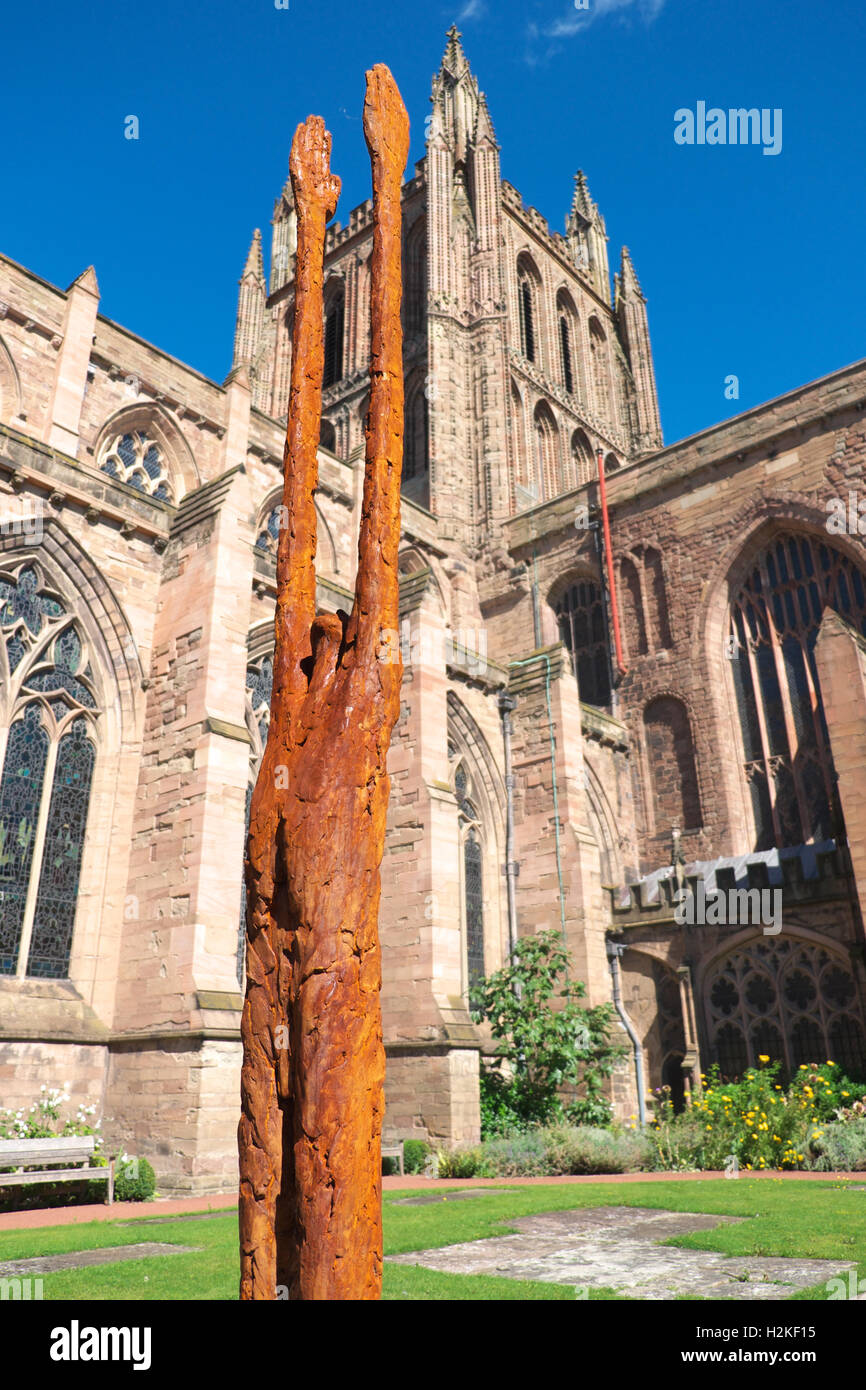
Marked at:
<point>763,1059</point>
<point>776,1139</point>
<point>846,1093</point>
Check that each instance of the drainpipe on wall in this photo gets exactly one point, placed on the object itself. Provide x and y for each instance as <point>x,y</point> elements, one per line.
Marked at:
<point>613,954</point>
<point>611,581</point>
<point>506,704</point>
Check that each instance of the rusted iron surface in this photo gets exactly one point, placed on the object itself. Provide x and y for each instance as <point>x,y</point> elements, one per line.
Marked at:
<point>313,1072</point>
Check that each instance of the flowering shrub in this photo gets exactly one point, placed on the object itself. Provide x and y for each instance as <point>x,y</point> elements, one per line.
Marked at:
<point>42,1120</point>
<point>755,1122</point>
<point>134,1182</point>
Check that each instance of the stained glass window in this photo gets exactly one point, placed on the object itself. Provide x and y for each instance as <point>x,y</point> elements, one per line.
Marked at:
<point>137,460</point>
<point>582,627</point>
<point>47,705</point>
<point>792,1001</point>
<point>774,626</point>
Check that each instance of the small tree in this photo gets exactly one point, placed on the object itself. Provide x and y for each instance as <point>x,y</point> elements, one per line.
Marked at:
<point>545,1039</point>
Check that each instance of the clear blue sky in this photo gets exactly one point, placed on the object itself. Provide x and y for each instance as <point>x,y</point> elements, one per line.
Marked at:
<point>752,264</point>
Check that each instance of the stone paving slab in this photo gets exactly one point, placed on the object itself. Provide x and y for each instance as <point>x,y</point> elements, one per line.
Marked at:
<point>615,1247</point>
<point>81,1259</point>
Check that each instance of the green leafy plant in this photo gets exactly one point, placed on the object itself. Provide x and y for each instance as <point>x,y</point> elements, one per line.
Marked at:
<point>415,1154</point>
<point>134,1179</point>
<point>757,1121</point>
<point>547,1042</point>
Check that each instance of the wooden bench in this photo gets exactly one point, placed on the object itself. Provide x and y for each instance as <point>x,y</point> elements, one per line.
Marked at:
<point>25,1153</point>
<point>393,1148</point>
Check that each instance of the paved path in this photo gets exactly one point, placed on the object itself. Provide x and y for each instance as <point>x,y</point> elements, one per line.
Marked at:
<point>618,1247</point>
<point>81,1259</point>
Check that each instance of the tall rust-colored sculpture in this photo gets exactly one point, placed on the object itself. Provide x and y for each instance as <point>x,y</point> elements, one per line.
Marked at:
<point>312,1088</point>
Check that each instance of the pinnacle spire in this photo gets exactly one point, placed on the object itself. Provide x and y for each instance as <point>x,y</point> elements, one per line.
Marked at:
<point>483,124</point>
<point>254,264</point>
<point>454,60</point>
<point>582,201</point>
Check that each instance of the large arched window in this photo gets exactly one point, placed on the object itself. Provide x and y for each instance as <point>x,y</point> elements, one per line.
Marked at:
<point>547,466</point>
<point>527,298</point>
<point>566,316</point>
<point>600,360</point>
<point>791,1000</point>
<point>416,428</point>
<point>47,755</point>
<point>526,492</point>
<point>415,278</point>
<point>473,880</point>
<point>335,306</point>
<point>774,625</point>
<point>260,683</point>
<point>582,461</point>
<point>580,611</point>
<point>136,459</point>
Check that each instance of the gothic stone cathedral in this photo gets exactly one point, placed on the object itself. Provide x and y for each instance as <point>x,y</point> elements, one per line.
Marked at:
<point>137,582</point>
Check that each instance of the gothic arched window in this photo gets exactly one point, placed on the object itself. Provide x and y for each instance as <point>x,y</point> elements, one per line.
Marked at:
<point>546,451</point>
<point>526,299</point>
<point>47,713</point>
<point>600,362</point>
<point>581,459</point>
<point>792,1001</point>
<point>774,625</point>
<point>334,319</point>
<point>415,277</point>
<point>135,459</point>
<point>568,346</point>
<point>416,428</point>
<point>580,611</point>
<point>260,684</point>
<point>473,879</point>
<point>270,535</point>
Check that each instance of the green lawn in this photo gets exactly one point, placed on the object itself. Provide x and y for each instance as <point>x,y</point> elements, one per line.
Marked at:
<point>818,1219</point>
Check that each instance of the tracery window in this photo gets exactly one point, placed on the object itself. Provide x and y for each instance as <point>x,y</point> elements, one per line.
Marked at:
<point>526,311</point>
<point>269,536</point>
<point>334,319</point>
<point>260,684</point>
<point>792,1001</point>
<point>546,450</point>
<point>47,755</point>
<point>774,625</point>
<point>580,611</point>
<point>473,879</point>
<point>135,459</point>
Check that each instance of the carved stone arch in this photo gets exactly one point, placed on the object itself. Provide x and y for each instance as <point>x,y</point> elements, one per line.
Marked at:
<point>752,528</point>
<point>468,750</point>
<point>547,444</point>
<point>76,578</point>
<point>582,458</point>
<point>110,665</point>
<point>667,729</point>
<point>578,607</point>
<point>753,1001</point>
<point>652,997</point>
<point>602,823</point>
<point>415,276</point>
<point>154,420</point>
<point>471,740</point>
<point>529,287</point>
<point>411,560</point>
<point>267,526</point>
<point>11,397</point>
<point>634,617</point>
